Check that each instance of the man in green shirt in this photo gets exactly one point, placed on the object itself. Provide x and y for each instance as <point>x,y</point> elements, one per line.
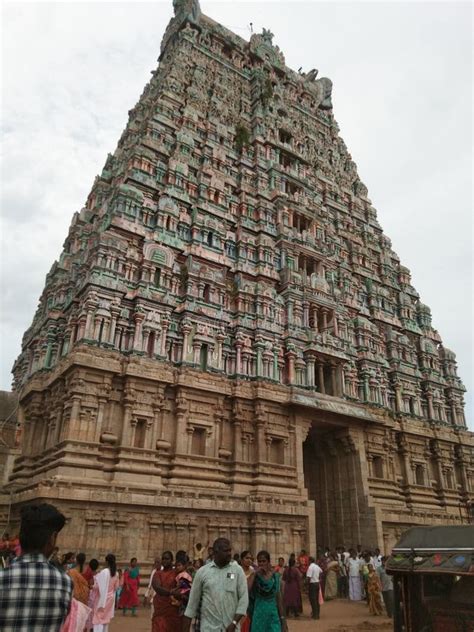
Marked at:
<point>219,593</point>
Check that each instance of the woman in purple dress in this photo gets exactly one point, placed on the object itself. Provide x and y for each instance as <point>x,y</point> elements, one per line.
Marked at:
<point>292,589</point>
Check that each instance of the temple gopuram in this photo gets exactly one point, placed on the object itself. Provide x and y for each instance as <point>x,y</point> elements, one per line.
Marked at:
<point>228,344</point>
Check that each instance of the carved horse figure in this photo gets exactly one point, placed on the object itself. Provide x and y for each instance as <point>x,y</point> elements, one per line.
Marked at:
<point>187,9</point>
<point>320,89</point>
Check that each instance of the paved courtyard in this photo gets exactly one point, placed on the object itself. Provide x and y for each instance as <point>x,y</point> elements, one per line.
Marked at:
<point>336,616</point>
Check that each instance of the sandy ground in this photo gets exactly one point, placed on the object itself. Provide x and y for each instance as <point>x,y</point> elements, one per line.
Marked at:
<point>339,615</point>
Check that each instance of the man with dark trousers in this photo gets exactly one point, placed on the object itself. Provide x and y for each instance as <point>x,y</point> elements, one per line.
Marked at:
<point>312,578</point>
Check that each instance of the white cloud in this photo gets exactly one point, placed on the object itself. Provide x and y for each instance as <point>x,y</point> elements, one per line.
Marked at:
<point>402,97</point>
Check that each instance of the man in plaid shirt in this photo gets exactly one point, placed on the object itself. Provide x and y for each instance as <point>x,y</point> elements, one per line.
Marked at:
<point>35,596</point>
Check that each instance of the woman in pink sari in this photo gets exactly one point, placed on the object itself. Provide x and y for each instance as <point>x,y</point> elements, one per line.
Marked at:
<point>105,584</point>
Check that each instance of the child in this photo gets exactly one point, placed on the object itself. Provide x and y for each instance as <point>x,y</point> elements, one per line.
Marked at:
<point>118,592</point>
<point>89,574</point>
<point>196,566</point>
<point>199,551</point>
<point>183,586</point>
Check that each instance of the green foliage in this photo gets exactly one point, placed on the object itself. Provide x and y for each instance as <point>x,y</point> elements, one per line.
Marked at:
<point>267,92</point>
<point>242,137</point>
<point>184,275</point>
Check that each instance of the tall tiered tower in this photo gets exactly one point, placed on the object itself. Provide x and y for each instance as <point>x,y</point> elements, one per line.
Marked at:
<point>228,343</point>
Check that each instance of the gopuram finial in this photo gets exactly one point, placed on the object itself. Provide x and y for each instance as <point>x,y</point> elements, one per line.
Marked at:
<point>184,11</point>
<point>187,9</point>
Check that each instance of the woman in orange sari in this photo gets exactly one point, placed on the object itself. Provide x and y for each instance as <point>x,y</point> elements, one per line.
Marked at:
<point>374,592</point>
<point>80,584</point>
<point>166,617</point>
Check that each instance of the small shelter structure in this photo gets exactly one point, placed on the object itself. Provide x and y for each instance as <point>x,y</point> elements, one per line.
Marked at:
<point>433,570</point>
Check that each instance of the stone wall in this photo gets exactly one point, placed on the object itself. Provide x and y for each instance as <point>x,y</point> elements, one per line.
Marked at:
<point>142,457</point>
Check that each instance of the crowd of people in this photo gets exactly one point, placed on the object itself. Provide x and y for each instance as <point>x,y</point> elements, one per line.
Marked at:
<point>207,591</point>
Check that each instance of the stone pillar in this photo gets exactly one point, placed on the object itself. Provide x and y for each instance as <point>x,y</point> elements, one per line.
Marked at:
<point>463,470</point>
<point>181,415</point>
<point>220,339</point>
<point>340,381</point>
<point>333,379</point>
<point>72,332</point>
<point>238,357</point>
<point>441,482</point>
<point>454,415</point>
<point>196,352</point>
<point>185,328</point>
<point>315,319</point>
<point>237,439</point>
<point>322,388</point>
<point>49,348</point>
<point>88,334</point>
<point>126,439</point>
<point>115,313</point>
<point>81,330</point>
<point>189,440</point>
<point>138,317</point>
<point>33,439</point>
<point>370,464</point>
<point>74,419</point>
<point>259,349</point>
<point>407,466</point>
<point>164,330</point>
<point>306,314</point>
<point>145,338</point>
<point>36,357</point>
<point>275,365</point>
<point>429,399</point>
<point>398,397</point>
<point>325,318</point>
<point>310,376</point>
<point>365,385</point>
<point>261,443</point>
<point>102,402</point>
<point>291,355</point>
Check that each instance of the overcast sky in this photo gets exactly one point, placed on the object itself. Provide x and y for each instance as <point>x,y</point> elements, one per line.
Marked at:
<point>402,96</point>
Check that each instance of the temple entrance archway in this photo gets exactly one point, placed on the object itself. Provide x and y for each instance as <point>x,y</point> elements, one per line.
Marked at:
<point>335,477</point>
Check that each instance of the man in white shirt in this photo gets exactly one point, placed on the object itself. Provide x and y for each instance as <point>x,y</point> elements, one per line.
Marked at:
<point>342,584</point>
<point>354,570</point>
<point>312,577</point>
<point>387,587</point>
<point>376,559</point>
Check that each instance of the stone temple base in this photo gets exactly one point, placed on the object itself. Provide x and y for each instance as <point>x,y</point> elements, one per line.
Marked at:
<point>142,457</point>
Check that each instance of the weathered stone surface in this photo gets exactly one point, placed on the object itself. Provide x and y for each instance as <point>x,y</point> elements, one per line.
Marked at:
<point>228,343</point>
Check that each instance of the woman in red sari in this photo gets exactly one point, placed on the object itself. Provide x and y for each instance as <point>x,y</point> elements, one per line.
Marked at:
<point>166,617</point>
<point>131,583</point>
